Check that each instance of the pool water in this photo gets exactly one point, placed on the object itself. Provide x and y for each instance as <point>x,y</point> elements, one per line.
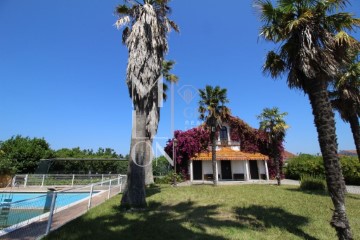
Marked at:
<point>37,200</point>
<point>24,206</point>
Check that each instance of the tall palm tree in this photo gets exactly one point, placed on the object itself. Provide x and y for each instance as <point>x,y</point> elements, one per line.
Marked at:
<point>273,123</point>
<point>345,98</point>
<point>145,35</point>
<point>313,45</point>
<point>167,66</point>
<point>212,109</point>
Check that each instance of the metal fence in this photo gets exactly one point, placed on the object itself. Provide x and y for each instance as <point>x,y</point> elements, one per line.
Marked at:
<point>28,180</point>
<point>37,216</point>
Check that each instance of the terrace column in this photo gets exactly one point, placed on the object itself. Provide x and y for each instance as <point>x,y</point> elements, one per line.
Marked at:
<point>191,171</point>
<point>217,172</point>
<point>266,170</point>
<point>247,173</point>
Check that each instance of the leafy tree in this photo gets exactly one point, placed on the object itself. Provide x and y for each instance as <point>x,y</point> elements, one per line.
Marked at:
<point>345,98</point>
<point>161,166</point>
<point>25,153</point>
<point>75,164</point>
<point>273,123</point>
<point>146,38</point>
<point>313,47</point>
<point>6,165</point>
<point>213,111</point>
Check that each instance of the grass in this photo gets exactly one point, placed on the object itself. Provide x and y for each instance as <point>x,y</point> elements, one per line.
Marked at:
<point>223,212</point>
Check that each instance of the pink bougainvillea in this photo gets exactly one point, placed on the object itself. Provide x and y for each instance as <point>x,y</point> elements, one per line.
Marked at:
<point>190,142</point>
<point>196,140</point>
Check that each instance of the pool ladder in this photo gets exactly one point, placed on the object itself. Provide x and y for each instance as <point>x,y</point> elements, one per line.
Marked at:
<point>5,204</point>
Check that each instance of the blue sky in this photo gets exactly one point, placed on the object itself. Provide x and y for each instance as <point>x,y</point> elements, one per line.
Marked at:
<point>63,66</point>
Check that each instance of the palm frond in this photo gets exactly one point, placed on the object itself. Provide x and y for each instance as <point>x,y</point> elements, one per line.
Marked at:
<point>272,122</point>
<point>212,107</point>
<point>342,38</point>
<point>335,5</point>
<point>174,26</point>
<point>342,21</point>
<point>274,65</point>
<point>122,21</point>
<point>167,66</point>
<point>122,10</point>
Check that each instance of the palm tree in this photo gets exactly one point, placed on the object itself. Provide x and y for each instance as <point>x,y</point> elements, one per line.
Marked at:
<point>273,123</point>
<point>167,66</point>
<point>345,98</point>
<point>313,45</point>
<point>145,35</point>
<point>213,111</point>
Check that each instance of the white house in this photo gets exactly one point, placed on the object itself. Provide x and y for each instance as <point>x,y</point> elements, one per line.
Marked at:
<point>232,163</point>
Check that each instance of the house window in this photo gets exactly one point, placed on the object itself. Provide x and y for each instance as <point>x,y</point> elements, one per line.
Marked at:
<point>223,134</point>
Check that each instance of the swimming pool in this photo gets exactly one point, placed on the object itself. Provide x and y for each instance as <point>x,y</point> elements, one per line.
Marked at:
<point>37,200</point>
<point>25,206</point>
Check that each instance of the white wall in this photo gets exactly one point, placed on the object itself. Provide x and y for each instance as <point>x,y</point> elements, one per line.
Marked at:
<point>207,167</point>
<point>237,167</point>
<point>261,167</point>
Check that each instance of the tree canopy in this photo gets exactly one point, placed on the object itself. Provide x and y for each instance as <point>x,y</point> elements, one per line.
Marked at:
<point>25,153</point>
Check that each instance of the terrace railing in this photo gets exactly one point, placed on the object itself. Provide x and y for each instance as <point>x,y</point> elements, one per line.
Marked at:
<point>36,217</point>
<point>41,180</point>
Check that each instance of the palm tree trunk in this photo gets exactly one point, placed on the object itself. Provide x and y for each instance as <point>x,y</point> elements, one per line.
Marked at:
<point>277,163</point>
<point>149,177</point>
<point>213,158</point>
<point>134,193</point>
<point>325,125</point>
<point>355,128</point>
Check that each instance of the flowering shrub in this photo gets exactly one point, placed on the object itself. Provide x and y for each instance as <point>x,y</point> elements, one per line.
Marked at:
<point>190,142</point>
<point>197,139</point>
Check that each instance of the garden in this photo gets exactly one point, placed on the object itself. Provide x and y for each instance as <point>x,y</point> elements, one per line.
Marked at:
<point>223,212</point>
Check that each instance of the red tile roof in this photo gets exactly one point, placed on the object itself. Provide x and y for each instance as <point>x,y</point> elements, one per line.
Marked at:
<point>226,153</point>
<point>288,155</point>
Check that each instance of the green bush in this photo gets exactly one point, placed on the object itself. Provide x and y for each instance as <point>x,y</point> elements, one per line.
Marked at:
<point>7,166</point>
<point>306,164</point>
<point>84,167</point>
<point>169,178</point>
<point>161,166</point>
<point>25,153</point>
<point>351,170</point>
<point>312,183</point>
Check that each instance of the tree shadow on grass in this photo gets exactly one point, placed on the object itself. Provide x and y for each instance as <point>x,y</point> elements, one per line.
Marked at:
<point>184,220</point>
<point>353,196</point>
<point>259,218</point>
<point>152,190</point>
<point>314,192</point>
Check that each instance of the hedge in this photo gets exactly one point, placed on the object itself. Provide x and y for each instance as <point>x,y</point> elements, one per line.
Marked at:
<point>312,183</point>
<point>306,164</point>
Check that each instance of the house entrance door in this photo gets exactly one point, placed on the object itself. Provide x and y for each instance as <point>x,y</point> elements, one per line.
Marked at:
<point>226,169</point>
<point>254,171</point>
<point>197,170</point>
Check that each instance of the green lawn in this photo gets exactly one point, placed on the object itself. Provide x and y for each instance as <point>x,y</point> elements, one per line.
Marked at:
<point>224,212</point>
